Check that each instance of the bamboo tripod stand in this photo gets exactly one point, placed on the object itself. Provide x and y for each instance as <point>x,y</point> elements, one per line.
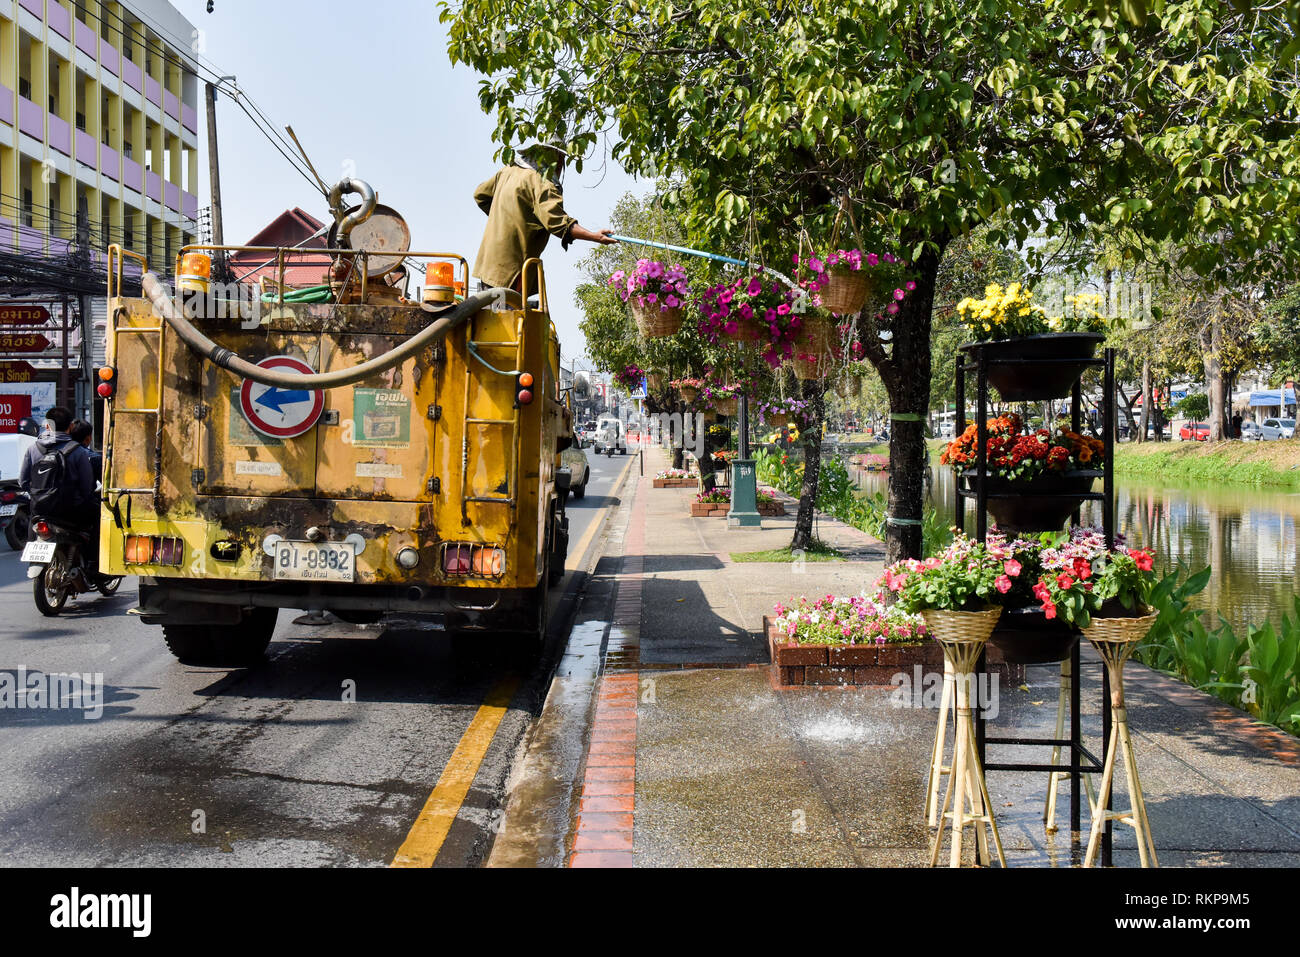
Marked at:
<point>966,777</point>
<point>1055,778</point>
<point>1115,640</point>
<point>937,768</point>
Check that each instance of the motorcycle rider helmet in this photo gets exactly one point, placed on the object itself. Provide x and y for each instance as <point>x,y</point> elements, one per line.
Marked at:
<point>28,426</point>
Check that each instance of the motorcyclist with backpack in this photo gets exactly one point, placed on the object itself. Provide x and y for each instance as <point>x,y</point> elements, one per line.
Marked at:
<point>59,477</point>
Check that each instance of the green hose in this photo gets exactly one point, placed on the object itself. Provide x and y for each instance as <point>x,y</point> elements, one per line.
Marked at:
<point>307,294</point>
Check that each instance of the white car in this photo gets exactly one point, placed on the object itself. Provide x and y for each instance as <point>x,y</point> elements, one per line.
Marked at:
<point>1251,431</point>
<point>1277,429</point>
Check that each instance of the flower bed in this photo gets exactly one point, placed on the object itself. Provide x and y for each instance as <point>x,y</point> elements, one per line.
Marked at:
<point>854,642</point>
<point>717,503</point>
<point>676,478</point>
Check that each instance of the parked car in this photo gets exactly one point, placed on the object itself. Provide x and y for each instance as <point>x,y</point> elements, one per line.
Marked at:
<point>1251,431</point>
<point>1194,432</point>
<point>574,461</point>
<point>1277,429</point>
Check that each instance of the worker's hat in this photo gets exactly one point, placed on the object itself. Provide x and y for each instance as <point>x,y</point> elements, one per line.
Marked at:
<point>547,158</point>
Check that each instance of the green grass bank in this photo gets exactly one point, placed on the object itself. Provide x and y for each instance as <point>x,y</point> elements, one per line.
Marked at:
<point>1273,464</point>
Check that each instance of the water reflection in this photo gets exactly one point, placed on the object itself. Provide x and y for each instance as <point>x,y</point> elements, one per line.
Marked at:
<point>1247,536</point>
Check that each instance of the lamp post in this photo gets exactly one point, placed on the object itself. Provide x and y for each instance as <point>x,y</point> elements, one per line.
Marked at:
<point>744,479</point>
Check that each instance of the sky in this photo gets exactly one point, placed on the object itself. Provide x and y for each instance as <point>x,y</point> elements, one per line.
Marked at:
<point>369,90</point>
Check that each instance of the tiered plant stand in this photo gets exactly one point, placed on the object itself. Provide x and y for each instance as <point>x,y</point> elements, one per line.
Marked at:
<point>981,360</point>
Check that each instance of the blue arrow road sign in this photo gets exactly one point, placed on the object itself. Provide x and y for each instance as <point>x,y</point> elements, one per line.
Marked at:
<point>276,399</point>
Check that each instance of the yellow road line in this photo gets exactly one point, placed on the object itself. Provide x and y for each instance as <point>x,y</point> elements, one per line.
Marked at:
<point>430,829</point>
<point>576,552</point>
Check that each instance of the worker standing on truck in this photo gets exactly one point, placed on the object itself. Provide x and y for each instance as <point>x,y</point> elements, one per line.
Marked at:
<point>524,204</point>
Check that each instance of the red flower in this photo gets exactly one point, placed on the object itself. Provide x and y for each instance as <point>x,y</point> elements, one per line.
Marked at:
<point>1142,559</point>
<point>1082,568</point>
<point>1064,581</point>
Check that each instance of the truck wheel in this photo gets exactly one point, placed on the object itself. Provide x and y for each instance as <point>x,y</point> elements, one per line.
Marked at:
<point>223,646</point>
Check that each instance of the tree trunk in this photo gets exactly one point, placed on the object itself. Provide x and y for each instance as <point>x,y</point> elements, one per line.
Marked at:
<point>810,436</point>
<point>908,385</point>
<point>1147,401</point>
<point>1211,341</point>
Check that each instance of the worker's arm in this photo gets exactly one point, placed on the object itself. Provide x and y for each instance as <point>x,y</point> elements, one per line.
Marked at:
<point>25,471</point>
<point>604,237</point>
<point>486,189</point>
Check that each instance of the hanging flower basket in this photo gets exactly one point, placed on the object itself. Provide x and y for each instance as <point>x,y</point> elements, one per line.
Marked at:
<point>1040,504</point>
<point>967,627</point>
<point>1026,636</point>
<point>808,369</point>
<point>726,405</point>
<point>655,322</point>
<point>846,291</point>
<point>778,420</point>
<point>654,381</point>
<point>817,336</point>
<point>1013,371</point>
<point>850,387</point>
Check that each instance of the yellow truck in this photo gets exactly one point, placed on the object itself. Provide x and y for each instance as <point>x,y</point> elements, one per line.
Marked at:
<point>342,449</point>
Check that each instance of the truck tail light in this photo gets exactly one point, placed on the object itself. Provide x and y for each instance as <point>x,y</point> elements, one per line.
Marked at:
<point>107,382</point>
<point>523,389</point>
<point>469,560</point>
<point>153,550</point>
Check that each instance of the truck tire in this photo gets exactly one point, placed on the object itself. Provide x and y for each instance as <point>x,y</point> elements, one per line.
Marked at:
<point>223,646</point>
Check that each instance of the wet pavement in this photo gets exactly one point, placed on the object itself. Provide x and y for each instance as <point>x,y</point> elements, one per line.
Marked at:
<point>693,758</point>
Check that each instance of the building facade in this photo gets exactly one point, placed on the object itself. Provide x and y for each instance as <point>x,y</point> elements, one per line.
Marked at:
<point>99,127</point>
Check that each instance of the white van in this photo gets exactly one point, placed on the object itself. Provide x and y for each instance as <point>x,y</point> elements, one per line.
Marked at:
<point>609,435</point>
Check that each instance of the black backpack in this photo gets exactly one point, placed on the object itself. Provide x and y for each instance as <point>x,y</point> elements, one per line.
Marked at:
<point>51,491</point>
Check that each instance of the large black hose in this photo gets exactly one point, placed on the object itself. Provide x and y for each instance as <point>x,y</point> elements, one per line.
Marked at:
<point>447,320</point>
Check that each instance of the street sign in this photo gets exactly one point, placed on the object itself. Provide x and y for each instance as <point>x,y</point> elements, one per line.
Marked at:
<point>20,314</point>
<point>13,409</point>
<point>23,342</point>
<point>17,372</point>
<point>281,413</point>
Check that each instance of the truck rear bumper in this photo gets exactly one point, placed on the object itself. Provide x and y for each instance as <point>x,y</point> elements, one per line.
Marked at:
<point>179,601</point>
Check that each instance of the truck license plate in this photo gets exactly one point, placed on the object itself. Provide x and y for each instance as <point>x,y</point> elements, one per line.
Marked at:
<point>39,553</point>
<point>8,511</point>
<point>314,562</point>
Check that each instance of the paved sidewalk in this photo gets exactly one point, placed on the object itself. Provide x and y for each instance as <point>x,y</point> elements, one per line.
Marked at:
<point>695,759</point>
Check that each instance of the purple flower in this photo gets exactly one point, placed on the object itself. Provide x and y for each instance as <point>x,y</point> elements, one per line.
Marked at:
<point>816,265</point>
<point>755,287</point>
<point>899,295</point>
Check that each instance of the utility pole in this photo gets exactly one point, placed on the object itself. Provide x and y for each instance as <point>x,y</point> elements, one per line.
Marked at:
<point>214,167</point>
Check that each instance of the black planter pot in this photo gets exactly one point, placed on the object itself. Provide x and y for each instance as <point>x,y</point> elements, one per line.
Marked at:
<point>1026,636</point>
<point>1042,504</point>
<point>1020,379</point>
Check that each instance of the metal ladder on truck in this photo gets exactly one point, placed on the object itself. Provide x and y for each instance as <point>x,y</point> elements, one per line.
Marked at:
<point>509,427</point>
<point>116,330</point>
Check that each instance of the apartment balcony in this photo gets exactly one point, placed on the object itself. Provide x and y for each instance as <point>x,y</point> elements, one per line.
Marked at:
<point>133,75</point>
<point>87,41</point>
<point>87,150</point>
<point>132,174</point>
<point>109,164</point>
<point>60,135</point>
<point>6,105</point>
<point>31,119</point>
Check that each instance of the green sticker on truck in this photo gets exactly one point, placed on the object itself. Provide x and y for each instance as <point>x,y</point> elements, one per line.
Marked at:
<point>381,419</point>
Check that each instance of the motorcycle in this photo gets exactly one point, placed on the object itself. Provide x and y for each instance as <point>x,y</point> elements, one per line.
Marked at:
<point>56,557</point>
<point>14,514</point>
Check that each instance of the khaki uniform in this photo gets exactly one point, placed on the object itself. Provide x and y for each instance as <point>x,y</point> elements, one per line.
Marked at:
<point>524,211</point>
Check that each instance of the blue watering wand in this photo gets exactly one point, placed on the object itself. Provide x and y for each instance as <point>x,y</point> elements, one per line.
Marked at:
<point>706,255</point>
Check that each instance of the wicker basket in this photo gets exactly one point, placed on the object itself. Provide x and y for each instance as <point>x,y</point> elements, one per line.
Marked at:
<point>778,420</point>
<point>1120,630</point>
<point>846,292</point>
<point>850,387</point>
<point>965,627</point>
<point>689,393</point>
<point>809,369</point>
<point>816,336</point>
<point>726,405</point>
<point>655,323</point>
<point>654,381</point>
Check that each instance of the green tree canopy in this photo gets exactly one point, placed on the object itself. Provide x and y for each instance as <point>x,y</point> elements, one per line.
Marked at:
<point>926,118</point>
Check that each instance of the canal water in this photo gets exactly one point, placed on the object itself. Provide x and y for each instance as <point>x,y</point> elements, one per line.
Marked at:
<point>1247,535</point>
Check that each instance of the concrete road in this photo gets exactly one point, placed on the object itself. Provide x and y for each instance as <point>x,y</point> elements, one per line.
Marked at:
<point>273,766</point>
